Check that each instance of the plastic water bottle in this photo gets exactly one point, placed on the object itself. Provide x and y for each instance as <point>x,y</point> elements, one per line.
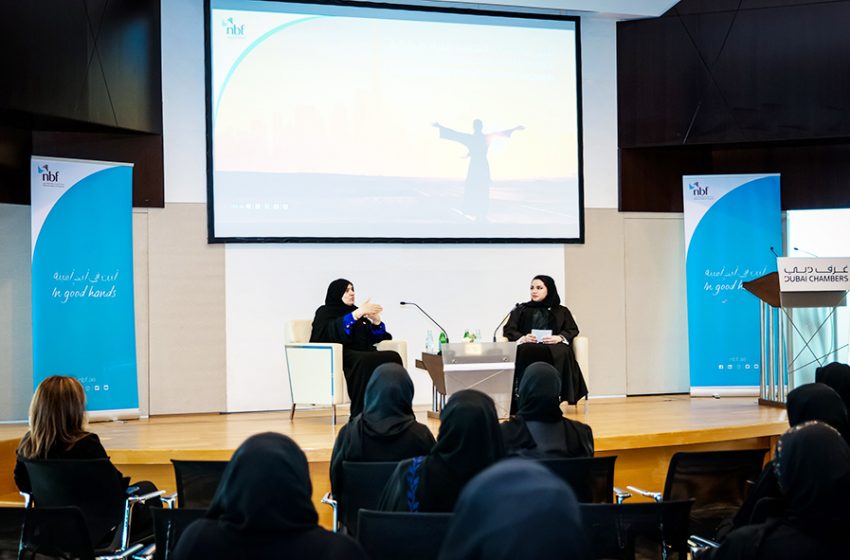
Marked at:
<point>429,343</point>
<point>466,337</point>
<point>444,339</point>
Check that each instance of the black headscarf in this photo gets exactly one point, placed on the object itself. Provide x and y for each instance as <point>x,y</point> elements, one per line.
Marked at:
<point>837,376</point>
<point>324,328</point>
<point>265,488</point>
<point>515,509</point>
<point>388,408</point>
<point>552,298</point>
<point>817,401</point>
<point>540,393</point>
<point>813,468</point>
<point>468,442</point>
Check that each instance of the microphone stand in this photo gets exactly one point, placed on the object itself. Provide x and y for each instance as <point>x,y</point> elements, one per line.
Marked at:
<point>505,318</point>
<point>416,305</point>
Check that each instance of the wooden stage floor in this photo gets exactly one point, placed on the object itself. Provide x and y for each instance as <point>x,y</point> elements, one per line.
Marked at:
<point>643,432</point>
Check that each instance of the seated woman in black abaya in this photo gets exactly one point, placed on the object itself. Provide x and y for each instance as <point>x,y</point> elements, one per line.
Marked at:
<point>545,312</point>
<point>358,329</point>
<point>539,429</point>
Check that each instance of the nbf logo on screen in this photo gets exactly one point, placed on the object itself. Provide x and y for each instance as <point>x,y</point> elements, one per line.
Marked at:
<point>699,192</point>
<point>48,177</point>
<point>231,29</point>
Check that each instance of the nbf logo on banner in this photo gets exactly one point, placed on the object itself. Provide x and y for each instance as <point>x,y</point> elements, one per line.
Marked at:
<point>699,192</point>
<point>231,29</point>
<point>48,177</point>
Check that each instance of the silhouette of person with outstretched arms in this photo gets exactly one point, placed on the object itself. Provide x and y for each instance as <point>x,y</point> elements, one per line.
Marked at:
<point>476,195</point>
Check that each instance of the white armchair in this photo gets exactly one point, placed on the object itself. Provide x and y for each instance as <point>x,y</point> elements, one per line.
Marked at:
<point>315,368</point>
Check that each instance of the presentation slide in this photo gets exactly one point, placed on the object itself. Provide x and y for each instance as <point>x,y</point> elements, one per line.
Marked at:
<point>355,123</point>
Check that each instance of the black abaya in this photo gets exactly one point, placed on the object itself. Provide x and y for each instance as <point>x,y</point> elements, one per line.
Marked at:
<point>387,430</point>
<point>335,322</point>
<point>813,401</point>
<point>263,509</point>
<point>547,314</point>
<point>813,470</point>
<point>468,442</point>
<point>516,510</point>
<point>539,428</point>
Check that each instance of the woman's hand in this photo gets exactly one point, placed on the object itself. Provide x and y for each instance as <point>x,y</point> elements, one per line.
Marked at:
<point>369,310</point>
<point>553,339</point>
<point>530,338</point>
<point>374,318</point>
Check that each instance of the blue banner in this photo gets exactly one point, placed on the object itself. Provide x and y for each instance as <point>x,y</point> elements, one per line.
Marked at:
<point>83,321</point>
<point>731,224</point>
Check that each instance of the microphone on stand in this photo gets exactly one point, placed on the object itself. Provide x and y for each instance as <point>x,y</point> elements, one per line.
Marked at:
<point>774,252</point>
<point>416,305</point>
<point>505,318</point>
<point>807,252</point>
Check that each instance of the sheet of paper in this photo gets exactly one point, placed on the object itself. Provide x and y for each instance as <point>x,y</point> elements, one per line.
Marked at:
<point>540,334</point>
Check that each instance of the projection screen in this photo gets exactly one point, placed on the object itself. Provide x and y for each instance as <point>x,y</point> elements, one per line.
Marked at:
<point>381,123</point>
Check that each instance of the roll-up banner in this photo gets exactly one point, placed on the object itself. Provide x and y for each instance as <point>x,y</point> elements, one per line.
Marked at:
<point>733,227</point>
<point>82,280</point>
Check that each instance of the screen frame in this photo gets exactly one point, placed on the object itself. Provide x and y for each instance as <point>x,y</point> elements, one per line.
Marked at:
<point>509,12</point>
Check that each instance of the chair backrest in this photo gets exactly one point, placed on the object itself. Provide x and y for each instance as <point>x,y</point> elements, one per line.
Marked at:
<point>591,478</point>
<point>168,525</point>
<point>197,482</point>
<point>717,480</point>
<point>299,330</point>
<point>387,535</point>
<point>363,484</point>
<point>92,485</point>
<point>11,523</point>
<point>617,530</point>
<point>60,532</point>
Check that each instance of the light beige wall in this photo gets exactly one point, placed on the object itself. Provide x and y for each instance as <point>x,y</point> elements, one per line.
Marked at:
<point>186,312</point>
<point>15,312</point>
<point>140,291</point>
<point>626,288</point>
<point>656,312</point>
<point>595,293</point>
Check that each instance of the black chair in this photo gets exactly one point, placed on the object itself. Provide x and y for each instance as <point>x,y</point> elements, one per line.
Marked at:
<point>82,508</point>
<point>168,525</point>
<point>657,529</point>
<point>591,478</point>
<point>11,523</point>
<point>387,535</point>
<point>197,482</point>
<point>717,480</point>
<point>363,484</point>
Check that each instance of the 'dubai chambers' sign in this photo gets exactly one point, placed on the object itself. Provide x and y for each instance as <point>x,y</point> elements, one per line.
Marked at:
<point>804,274</point>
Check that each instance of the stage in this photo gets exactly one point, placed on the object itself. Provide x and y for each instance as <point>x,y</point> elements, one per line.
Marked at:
<point>643,432</point>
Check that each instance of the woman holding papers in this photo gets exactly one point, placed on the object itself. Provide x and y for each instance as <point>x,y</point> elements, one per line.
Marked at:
<point>544,331</point>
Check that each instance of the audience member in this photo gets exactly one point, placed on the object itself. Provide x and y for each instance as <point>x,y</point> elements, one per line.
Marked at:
<point>57,420</point>
<point>468,442</point>
<point>837,376</point>
<point>813,401</point>
<point>539,428</point>
<point>813,469</point>
<point>386,430</point>
<point>262,509</point>
<point>515,510</point>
